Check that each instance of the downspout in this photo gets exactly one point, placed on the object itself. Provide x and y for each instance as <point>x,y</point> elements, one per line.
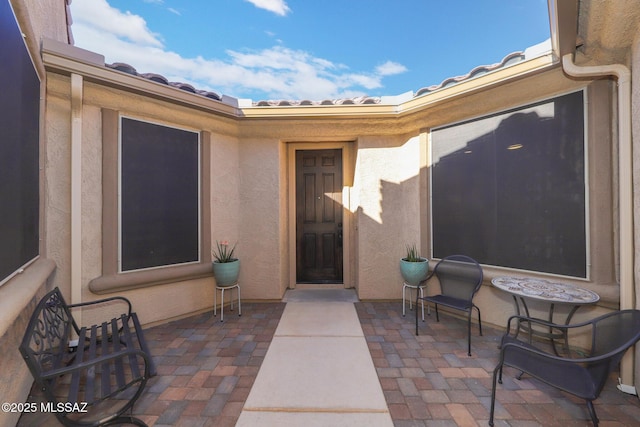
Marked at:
<point>625,188</point>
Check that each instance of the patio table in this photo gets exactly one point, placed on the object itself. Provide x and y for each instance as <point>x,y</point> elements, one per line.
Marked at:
<point>551,292</point>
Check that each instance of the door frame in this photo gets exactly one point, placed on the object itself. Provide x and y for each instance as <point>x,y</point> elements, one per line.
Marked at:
<point>347,217</point>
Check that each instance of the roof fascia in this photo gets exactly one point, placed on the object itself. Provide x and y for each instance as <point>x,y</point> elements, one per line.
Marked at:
<point>487,81</point>
<point>563,16</point>
<point>495,78</point>
<point>66,59</point>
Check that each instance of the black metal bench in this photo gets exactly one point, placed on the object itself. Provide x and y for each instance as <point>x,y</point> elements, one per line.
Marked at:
<point>94,382</point>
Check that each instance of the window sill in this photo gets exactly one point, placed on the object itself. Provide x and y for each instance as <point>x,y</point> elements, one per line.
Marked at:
<point>152,277</point>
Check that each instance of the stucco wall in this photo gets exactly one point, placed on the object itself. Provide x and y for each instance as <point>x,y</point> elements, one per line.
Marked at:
<point>46,18</point>
<point>386,192</point>
<point>250,189</point>
<point>170,300</point>
<point>248,205</point>
<point>58,178</point>
<point>262,218</point>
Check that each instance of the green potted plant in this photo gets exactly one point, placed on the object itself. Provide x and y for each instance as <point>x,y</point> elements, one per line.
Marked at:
<point>413,267</point>
<point>226,266</point>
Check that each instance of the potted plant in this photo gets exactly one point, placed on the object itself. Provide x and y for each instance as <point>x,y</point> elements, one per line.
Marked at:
<point>226,266</point>
<point>413,267</point>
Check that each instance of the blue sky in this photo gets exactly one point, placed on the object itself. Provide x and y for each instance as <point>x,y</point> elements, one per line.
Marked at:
<point>308,49</point>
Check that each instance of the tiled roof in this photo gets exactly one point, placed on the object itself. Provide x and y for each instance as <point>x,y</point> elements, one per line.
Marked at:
<point>129,69</point>
<point>510,59</point>
<point>67,7</point>
<point>126,68</point>
<point>362,100</point>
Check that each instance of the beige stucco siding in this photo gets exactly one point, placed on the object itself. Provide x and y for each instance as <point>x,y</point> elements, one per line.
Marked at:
<point>387,202</point>
<point>57,165</point>
<point>250,178</point>
<point>261,219</point>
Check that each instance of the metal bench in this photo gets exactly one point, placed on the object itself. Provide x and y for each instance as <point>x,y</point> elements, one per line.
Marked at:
<point>97,380</point>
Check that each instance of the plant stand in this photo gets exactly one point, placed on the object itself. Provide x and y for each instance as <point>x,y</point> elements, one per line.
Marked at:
<point>418,288</point>
<point>222,289</point>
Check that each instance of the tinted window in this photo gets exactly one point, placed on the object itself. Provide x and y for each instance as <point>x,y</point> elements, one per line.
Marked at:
<point>160,195</point>
<point>509,189</point>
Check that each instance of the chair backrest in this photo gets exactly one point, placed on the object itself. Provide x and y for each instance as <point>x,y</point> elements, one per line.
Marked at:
<point>612,335</point>
<point>615,331</point>
<point>459,275</point>
<point>45,342</point>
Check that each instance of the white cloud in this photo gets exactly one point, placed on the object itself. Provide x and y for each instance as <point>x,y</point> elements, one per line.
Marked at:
<point>274,73</point>
<point>390,68</point>
<point>279,7</point>
<point>100,17</point>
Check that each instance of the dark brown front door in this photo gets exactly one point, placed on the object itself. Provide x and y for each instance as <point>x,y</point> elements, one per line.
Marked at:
<point>319,216</point>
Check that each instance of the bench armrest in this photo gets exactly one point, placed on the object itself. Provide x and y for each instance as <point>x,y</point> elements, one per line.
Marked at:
<point>52,373</point>
<point>101,301</point>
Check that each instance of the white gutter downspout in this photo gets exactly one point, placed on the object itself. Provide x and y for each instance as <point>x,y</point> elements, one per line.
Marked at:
<point>625,185</point>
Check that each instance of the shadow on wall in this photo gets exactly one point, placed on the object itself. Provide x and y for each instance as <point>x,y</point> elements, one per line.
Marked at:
<point>381,242</point>
<point>509,190</point>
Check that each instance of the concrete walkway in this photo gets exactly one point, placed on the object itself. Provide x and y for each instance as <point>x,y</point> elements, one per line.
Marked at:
<point>318,369</point>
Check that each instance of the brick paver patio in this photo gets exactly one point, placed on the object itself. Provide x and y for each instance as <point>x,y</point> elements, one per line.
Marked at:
<point>206,369</point>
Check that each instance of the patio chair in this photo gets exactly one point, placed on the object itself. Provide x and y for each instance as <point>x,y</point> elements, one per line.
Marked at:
<point>460,279</point>
<point>583,376</point>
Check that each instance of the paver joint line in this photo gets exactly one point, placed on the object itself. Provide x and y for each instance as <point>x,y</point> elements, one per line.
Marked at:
<point>318,410</point>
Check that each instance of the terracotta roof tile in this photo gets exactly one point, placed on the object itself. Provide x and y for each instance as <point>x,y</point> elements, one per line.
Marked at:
<point>508,60</point>
<point>126,68</point>
<point>156,78</point>
<point>67,9</point>
<point>306,102</point>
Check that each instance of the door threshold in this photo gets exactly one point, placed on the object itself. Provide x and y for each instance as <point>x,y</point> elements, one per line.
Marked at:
<point>320,286</point>
<point>320,294</point>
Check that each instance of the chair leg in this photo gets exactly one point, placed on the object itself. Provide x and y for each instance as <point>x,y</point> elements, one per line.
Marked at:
<point>479,320</point>
<point>592,412</point>
<point>497,371</point>
<point>469,332</point>
<point>437,316</point>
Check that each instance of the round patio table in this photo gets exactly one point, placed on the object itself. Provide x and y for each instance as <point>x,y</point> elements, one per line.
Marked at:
<point>523,288</point>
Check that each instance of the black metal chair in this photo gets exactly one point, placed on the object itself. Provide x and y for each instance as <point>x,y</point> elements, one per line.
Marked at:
<point>460,279</point>
<point>583,376</point>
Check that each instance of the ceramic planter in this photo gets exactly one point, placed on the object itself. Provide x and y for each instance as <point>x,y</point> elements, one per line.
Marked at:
<point>226,273</point>
<point>414,272</point>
